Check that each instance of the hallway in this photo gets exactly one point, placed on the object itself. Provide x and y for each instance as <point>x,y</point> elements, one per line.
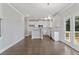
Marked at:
<point>40,47</point>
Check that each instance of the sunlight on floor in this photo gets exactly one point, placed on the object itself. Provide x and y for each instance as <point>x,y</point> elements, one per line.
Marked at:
<point>76,39</point>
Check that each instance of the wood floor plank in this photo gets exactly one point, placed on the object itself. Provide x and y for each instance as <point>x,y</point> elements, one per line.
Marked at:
<point>39,47</point>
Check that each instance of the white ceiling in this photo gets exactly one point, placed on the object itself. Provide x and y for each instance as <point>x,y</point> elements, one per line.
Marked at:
<point>39,9</point>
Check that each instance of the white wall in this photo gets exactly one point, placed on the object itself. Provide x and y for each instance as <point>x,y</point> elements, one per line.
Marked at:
<point>0,19</point>
<point>12,27</point>
<point>0,10</point>
<point>58,26</point>
<point>0,28</point>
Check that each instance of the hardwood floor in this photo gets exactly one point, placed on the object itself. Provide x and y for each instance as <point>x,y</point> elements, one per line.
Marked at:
<point>39,47</point>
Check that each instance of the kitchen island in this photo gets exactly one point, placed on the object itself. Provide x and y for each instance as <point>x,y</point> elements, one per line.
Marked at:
<point>37,33</point>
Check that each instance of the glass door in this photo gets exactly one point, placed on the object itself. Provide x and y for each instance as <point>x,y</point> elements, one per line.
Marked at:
<point>76,39</point>
<point>68,31</point>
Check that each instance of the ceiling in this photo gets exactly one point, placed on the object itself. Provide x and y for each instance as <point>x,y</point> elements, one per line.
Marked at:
<point>40,9</point>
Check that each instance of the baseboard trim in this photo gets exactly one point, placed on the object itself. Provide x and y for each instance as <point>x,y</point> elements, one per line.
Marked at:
<point>4,49</point>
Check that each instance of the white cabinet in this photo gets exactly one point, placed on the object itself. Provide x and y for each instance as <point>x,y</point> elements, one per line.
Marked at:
<point>37,33</point>
<point>56,36</point>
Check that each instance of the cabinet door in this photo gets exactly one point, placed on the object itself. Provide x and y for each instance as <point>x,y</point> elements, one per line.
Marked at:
<point>56,36</point>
